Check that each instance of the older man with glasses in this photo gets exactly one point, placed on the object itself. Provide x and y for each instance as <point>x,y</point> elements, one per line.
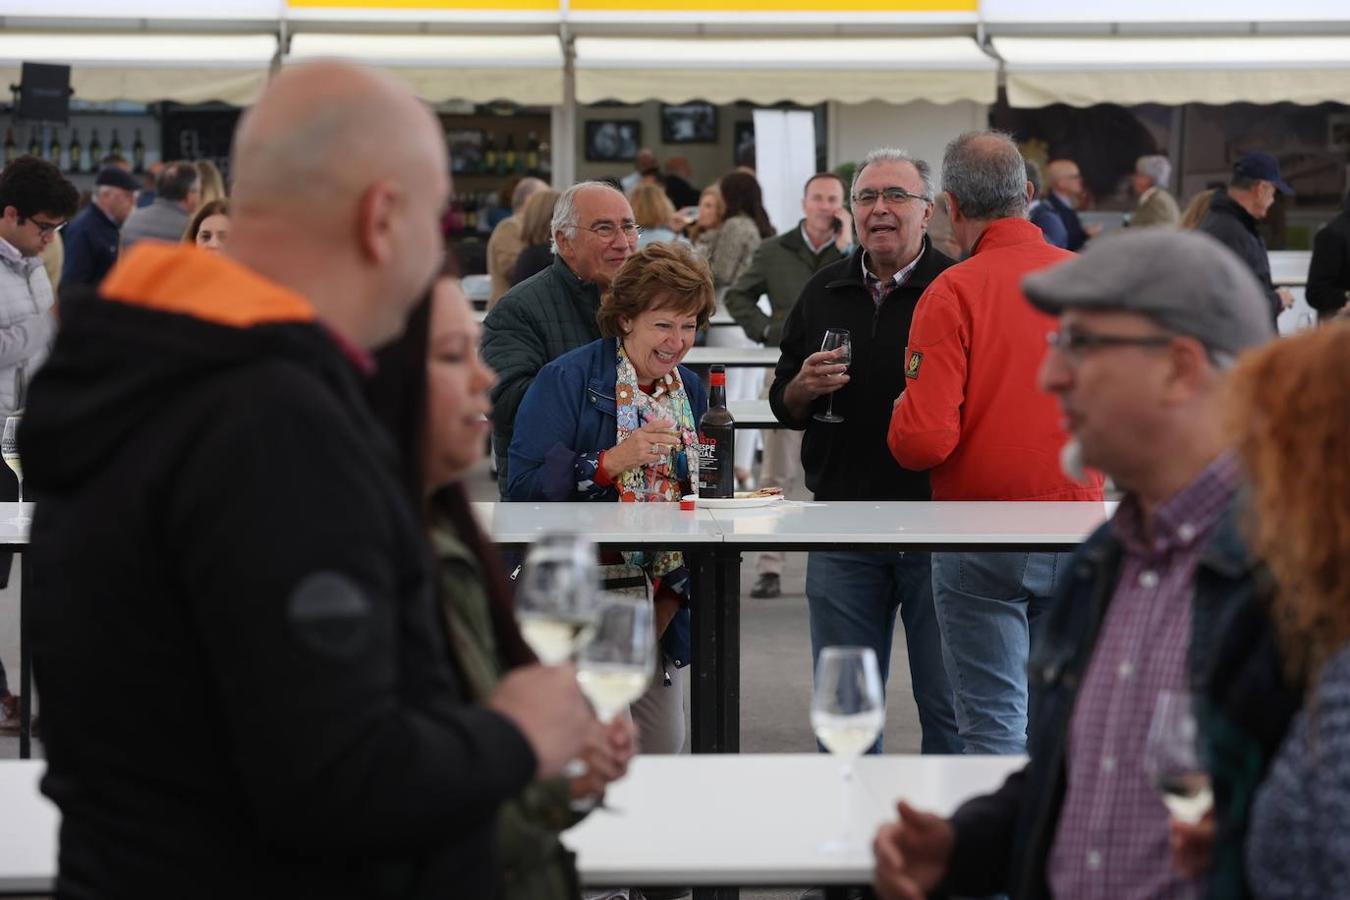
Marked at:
<point>853,597</point>
<point>35,202</point>
<point>972,416</point>
<point>548,314</point>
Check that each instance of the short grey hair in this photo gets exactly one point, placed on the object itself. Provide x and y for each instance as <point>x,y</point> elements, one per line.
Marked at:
<point>565,213</point>
<point>986,174</point>
<point>895,155</point>
<point>1156,167</point>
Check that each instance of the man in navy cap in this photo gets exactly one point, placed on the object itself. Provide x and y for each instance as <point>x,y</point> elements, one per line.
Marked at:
<point>1233,215</point>
<point>91,237</point>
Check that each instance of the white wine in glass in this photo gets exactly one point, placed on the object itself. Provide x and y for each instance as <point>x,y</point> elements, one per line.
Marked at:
<point>848,712</point>
<point>1172,758</point>
<point>556,597</point>
<point>9,451</point>
<point>615,666</point>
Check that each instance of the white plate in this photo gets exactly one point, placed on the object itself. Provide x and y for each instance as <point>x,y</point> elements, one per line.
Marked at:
<point>736,502</point>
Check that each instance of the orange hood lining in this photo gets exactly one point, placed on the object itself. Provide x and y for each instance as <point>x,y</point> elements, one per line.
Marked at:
<point>182,279</point>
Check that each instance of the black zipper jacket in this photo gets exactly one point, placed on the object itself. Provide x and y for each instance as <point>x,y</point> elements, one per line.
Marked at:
<point>850,460</point>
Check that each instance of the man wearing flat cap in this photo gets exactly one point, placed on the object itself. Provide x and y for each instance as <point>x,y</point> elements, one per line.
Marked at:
<point>1234,212</point>
<point>1149,321</point>
<point>92,236</point>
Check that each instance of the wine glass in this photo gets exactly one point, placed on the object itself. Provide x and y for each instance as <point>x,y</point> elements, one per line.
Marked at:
<point>834,339</point>
<point>615,666</point>
<point>556,598</point>
<point>847,715</point>
<point>1172,758</point>
<point>9,450</point>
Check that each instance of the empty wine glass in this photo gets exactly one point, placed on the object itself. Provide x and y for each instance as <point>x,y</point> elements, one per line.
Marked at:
<point>847,714</point>
<point>556,596</point>
<point>835,338</point>
<point>1172,758</point>
<point>9,451</point>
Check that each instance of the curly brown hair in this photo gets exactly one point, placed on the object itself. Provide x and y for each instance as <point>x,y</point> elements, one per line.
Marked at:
<point>659,276</point>
<point>1287,411</point>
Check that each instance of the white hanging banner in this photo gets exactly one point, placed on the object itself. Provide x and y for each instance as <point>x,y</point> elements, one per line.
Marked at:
<point>785,156</point>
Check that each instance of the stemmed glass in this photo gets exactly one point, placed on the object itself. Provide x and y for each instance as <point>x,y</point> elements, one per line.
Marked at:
<point>615,666</point>
<point>847,715</point>
<point>1172,758</point>
<point>556,601</point>
<point>9,450</point>
<point>834,339</point>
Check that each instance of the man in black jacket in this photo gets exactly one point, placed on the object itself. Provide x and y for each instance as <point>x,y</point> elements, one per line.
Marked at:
<point>1329,272</point>
<point>853,597</point>
<point>247,686</point>
<point>1234,212</point>
<point>1149,321</point>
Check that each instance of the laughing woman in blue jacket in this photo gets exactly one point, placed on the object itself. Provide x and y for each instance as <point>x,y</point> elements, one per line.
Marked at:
<point>617,420</point>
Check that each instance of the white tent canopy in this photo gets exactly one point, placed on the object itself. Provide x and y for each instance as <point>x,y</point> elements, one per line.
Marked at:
<point>770,70</point>
<point>527,69</point>
<point>187,68</point>
<point>1083,71</point>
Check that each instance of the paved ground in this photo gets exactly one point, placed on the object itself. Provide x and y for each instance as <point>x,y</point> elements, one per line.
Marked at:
<point>775,672</point>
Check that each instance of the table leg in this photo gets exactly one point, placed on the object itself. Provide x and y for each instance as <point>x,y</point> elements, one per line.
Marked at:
<point>729,649</point>
<point>25,666</point>
<point>703,692</point>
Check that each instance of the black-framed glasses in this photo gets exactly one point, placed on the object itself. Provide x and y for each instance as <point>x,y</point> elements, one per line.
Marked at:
<point>605,231</point>
<point>46,227</point>
<point>1076,343</point>
<point>895,195</point>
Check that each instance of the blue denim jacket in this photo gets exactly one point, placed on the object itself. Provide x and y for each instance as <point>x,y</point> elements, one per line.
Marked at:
<point>567,418</point>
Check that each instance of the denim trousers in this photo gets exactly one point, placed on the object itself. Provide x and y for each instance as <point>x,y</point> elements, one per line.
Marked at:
<point>987,608</point>
<point>853,598</point>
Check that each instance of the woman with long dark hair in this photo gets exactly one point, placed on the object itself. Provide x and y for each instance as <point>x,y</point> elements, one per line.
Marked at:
<point>431,392</point>
<point>743,227</point>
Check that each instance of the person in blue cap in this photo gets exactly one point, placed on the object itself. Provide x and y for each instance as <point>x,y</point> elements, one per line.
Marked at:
<point>92,236</point>
<point>1234,212</point>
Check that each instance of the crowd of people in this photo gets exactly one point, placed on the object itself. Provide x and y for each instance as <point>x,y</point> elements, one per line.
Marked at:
<point>252,515</point>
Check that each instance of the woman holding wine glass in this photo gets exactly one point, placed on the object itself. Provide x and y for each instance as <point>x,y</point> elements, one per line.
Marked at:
<point>616,420</point>
<point>431,392</point>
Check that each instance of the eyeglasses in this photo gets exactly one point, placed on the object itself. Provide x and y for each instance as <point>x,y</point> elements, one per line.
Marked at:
<point>605,231</point>
<point>1074,344</point>
<point>46,227</point>
<point>894,195</point>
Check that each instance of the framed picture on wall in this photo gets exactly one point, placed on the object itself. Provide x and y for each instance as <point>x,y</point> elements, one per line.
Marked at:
<point>743,136</point>
<point>466,148</point>
<point>689,123</point>
<point>612,140</point>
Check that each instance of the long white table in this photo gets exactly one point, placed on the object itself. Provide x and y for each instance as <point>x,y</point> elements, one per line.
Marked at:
<point>759,820</point>
<point>733,357</point>
<point>28,826</point>
<point>753,414</point>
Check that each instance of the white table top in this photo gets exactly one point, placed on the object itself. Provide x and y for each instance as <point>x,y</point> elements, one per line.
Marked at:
<point>753,414</point>
<point>720,319</point>
<point>1289,267</point>
<point>605,523</point>
<point>760,819</point>
<point>896,522</point>
<point>11,533</point>
<point>732,356</point>
<point>28,826</point>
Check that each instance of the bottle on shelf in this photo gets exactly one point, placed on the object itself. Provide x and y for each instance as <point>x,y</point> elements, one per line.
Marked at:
<point>545,160</point>
<point>532,154</point>
<point>471,213</point>
<point>75,152</point>
<point>34,143</point>
<point>54,148</point>
<point>11,148</point>
<point>95,150</point>
<point>116,147</point>
<point>506,164</point>
<point>717,443</point>
<point>138,154</point>
<point>489,155</point>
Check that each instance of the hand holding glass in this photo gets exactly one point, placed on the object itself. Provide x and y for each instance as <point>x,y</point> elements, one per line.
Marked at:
<point>1172,758</point>
<point>835,339</point>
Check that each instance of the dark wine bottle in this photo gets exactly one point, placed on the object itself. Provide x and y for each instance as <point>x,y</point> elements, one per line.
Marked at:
<point>54,149</point>
<point>75,151</point>
<point>95,150</point>
<point>11,148</point>
<point>489,156</point>
<point>532,154</point>
<point>138,153</point>
<point>116,147</point>
<point>34,143</point>
<point>717,443</point>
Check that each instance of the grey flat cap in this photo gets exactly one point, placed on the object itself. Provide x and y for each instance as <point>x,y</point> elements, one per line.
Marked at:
<point>1187,282</point>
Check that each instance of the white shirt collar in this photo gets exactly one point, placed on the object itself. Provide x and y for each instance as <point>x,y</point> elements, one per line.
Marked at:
<point>10,252</point>
<point>813,248</point>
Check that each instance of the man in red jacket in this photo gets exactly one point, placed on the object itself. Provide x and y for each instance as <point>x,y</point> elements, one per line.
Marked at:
<point>971,414</point>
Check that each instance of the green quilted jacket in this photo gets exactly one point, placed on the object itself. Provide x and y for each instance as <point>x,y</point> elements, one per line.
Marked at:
<point>780,267</point>
<point>533,324</point>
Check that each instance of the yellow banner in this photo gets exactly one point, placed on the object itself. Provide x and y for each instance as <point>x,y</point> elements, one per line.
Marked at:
<point>486,6</point>
<point>775,6</point>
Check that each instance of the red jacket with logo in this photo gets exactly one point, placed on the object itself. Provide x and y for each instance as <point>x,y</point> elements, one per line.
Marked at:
<point>971,411</point>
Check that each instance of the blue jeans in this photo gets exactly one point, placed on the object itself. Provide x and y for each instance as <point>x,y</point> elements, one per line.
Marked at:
<point>987,605</point>
<point>853,598</point>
